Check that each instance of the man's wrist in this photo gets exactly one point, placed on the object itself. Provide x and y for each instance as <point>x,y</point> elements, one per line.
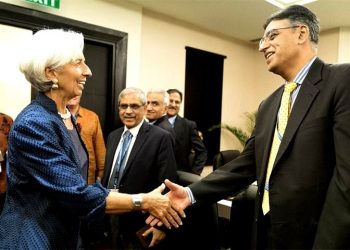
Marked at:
<point>190,195</point>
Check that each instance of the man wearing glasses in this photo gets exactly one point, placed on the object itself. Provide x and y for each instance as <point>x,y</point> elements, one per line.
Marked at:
<point>298,152</point>
<point>139,158</point>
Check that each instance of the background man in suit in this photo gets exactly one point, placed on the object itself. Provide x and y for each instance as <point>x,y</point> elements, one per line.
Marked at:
<point>309,186</point>
<point>190,152</point>
<point>90,130</point>
<point>149,160</point>
<point>157,106</point>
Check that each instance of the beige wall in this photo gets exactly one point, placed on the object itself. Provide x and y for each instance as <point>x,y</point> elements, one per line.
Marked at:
<point>156,53</point>
<point>14,89</point>
<point>344,48</point>
<point>329,45</point>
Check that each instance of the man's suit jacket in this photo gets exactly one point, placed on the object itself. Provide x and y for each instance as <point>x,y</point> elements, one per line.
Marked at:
<point>164,123</point>
<point>150,162</point>
<point>310,181</point>
<point>187,139</point>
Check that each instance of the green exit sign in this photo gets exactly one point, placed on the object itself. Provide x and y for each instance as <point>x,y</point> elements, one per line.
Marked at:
<point>49,3</point>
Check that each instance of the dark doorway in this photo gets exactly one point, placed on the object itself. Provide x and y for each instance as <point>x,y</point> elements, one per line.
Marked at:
<point>96,96</point>
<point>203,95</point>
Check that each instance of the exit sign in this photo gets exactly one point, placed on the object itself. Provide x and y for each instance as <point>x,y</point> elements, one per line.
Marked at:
<point>49,3</point>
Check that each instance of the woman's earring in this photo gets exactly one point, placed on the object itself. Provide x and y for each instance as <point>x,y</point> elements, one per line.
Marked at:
<point>54,84</point>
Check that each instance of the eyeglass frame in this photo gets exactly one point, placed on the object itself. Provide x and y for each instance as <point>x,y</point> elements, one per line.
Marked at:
<point>267,36</point>
<point>132,106</point>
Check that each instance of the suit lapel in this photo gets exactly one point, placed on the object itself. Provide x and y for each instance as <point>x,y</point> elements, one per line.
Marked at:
<point>140,140</point>
<point>303,102</point>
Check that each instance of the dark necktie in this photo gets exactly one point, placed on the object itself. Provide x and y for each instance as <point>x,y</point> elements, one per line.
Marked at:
<point>121,161</point>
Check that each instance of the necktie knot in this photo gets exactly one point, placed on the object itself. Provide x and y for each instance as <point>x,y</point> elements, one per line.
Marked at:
<point>290,87</point>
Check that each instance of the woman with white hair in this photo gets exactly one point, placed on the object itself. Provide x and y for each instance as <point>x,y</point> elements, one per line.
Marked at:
<point>48,196</point>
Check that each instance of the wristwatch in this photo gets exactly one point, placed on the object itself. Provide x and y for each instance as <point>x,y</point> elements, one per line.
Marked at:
<point>137,200</point>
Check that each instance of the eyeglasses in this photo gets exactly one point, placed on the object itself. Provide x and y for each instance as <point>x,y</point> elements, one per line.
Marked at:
<point>272,34</point>
<point>132,106</point>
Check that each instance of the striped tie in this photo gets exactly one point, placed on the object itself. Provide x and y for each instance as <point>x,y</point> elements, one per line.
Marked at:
<point>282,120</point>
<point>121,161</point>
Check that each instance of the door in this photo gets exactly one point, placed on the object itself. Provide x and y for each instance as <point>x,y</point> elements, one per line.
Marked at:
<point>203,95</point>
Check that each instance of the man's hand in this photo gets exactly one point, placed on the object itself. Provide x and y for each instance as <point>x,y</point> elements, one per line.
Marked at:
<point>177,195</point>
<point>157,236</point>
<point>160,207</point>
<point>179,201</point>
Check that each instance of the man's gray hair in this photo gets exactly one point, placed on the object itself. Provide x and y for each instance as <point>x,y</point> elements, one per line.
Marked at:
<point>163,92</point>
<point>132,90</point>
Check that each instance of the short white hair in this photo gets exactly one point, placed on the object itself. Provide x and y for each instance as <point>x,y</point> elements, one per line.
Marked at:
<point>162,92</point>
<point>49,48</point>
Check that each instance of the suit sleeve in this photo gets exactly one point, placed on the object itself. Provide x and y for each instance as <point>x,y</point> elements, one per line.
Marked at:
<point>200,156</point>
<point>228,179</point>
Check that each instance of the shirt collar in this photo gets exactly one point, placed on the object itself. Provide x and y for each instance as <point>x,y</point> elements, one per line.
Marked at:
<point>300,77</point>
<point>135,130</point>
<point>172,120</point>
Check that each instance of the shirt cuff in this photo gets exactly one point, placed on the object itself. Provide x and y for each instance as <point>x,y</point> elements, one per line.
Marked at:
<point>190,195</point>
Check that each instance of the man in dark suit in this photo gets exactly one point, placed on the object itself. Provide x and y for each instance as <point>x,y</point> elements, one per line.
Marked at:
<point>149,160</point>
<point>308,189</point>
<point>157,106</point>
<point>190,152</point>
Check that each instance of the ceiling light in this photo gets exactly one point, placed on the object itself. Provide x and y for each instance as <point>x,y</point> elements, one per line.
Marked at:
<point>285,3</point>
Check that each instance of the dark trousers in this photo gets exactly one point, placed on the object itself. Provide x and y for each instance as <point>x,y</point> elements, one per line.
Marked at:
<point>119,240</point>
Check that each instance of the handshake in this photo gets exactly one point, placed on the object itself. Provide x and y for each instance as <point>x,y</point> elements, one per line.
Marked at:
<point>167,209</point>
<point>177,200</point>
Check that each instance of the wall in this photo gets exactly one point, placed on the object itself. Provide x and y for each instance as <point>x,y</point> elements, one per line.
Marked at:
<point>14,89</point>
<point>329,46</point>
<point>344,48</point>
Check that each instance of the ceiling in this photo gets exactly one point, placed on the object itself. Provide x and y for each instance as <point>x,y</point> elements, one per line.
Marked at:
<point>242,19</point>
